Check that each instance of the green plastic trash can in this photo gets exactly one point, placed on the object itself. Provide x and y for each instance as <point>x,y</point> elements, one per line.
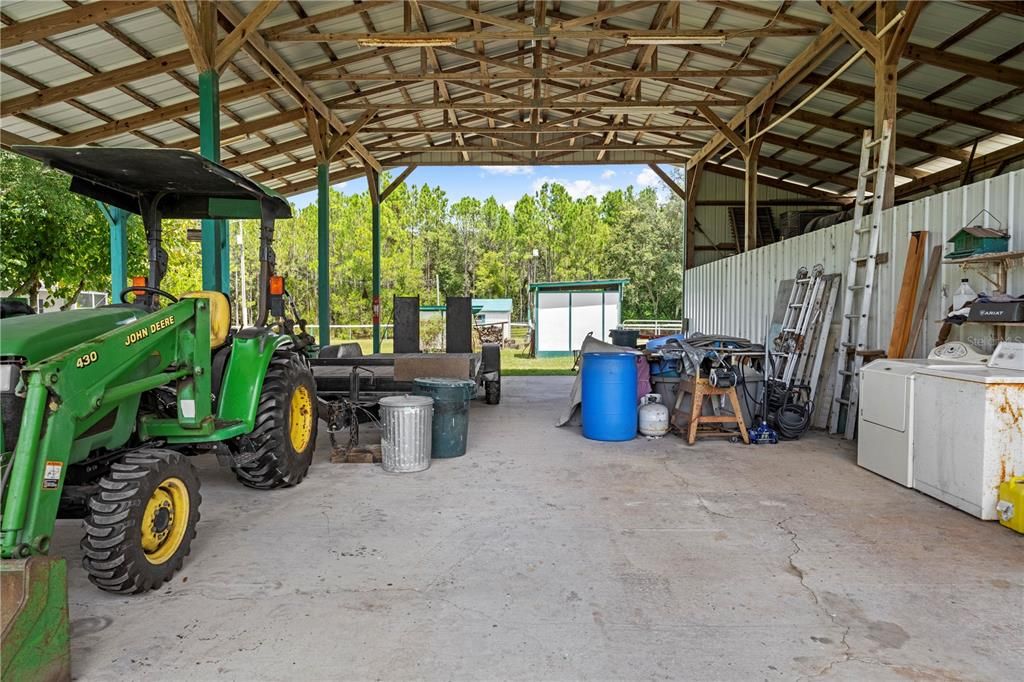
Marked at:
<point>450,427</point>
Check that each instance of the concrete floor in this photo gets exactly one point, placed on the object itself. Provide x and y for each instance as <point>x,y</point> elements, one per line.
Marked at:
<point>541,555</point>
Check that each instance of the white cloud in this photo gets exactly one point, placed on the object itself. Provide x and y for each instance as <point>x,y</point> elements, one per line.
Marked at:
<point>577,189</point>
<point>510,205</point>
<point>608,174</point>
<point>508,170</point>
<point>648,178</point>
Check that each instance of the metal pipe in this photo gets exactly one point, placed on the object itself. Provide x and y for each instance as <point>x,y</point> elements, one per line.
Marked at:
<point>323,264</point>
<point>375,217</point>
<point>17,495</point>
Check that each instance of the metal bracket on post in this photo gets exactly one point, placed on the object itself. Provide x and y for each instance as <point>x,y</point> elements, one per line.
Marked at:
<point>267,260</point>
<point>117,219</point>
<point>155,252</point>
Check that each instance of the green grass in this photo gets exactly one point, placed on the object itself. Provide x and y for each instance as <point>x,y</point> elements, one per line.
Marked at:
<point>514,362</point>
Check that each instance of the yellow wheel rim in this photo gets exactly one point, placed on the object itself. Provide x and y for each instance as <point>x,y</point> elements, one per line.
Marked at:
<point>165,520</point>
<point>301,425</point>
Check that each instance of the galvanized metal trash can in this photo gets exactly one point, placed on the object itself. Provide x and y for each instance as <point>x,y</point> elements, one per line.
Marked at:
<point>405,432</point>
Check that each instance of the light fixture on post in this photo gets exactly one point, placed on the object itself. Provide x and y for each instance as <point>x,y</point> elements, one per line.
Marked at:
<point>396,41</point>
<point>717,39</point>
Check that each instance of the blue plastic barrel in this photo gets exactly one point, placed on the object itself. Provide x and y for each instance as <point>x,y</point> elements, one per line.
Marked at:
<point>609,396</point>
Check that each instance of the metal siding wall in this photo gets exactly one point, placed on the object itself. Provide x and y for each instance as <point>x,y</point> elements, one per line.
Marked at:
<point>733,295</point>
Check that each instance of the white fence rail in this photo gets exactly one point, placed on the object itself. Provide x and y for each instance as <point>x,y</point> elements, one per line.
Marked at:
<point>734,295</point>
<point>658,327</point>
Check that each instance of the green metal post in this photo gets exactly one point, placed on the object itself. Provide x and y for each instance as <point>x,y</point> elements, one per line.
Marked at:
<point>117,218</point>
<point>216,266</point>
<point>682,270</point>
<point>375,202</point>
<point>323,263</point>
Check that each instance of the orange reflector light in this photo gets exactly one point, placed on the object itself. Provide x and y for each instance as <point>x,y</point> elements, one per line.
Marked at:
<point>276,285</point>
<point>138,281</point>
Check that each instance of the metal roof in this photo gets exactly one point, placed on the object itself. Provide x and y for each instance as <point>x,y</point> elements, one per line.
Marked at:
<point>506,88</point>
<point>182,184</point>
<point>592,283</point>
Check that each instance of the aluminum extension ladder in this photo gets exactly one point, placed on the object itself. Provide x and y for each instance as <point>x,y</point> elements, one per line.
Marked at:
<point>874,156</point>
<point>802,311</point>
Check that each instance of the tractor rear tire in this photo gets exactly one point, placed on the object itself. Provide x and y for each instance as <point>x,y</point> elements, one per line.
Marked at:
<point>141,522</point>
<point>281,444</point>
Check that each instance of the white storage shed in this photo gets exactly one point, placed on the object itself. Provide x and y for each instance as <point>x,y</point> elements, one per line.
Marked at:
<point>563,313</point>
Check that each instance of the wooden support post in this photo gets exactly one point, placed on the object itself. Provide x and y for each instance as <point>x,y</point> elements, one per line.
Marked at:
<point>117,218</point>
<point>693,177</point>
<point>886,69</point>
<point>323,255</point>
<point>750,160</point>
<point>200,33</point>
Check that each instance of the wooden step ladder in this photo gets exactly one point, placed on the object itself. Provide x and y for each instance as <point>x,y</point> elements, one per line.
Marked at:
<point>874,167</point>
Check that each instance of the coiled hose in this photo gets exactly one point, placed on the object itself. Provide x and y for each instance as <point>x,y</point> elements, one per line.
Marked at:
<point>791,418</point>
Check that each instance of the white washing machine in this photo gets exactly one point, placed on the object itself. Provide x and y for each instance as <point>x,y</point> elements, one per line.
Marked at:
<point>885,430</point>
<point>969,430</point>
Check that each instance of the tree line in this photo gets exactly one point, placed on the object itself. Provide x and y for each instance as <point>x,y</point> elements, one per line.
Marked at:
<point>431,245</point>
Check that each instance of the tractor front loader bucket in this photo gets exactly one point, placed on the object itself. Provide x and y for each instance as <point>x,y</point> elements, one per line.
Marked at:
<point>34,598</point>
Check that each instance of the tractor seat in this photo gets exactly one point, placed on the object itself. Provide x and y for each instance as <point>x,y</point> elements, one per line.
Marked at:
<point>220,315</point>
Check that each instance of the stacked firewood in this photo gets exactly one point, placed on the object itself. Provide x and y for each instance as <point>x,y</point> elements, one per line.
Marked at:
<point>490,333</point>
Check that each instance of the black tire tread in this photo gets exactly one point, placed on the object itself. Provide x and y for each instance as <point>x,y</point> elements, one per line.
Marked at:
<point>275,465</point>
<point>492,392</point>
<point>112,545</point>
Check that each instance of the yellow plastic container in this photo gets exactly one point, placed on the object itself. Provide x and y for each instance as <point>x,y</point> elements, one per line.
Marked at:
<point>1010,507</point>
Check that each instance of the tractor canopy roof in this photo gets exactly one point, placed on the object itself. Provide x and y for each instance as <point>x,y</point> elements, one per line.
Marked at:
<point>182,183</point>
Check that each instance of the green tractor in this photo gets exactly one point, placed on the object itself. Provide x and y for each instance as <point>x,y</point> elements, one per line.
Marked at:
<point>102,408</point>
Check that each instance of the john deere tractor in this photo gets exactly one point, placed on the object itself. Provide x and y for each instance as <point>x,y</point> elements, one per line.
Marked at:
<point>102,408</point>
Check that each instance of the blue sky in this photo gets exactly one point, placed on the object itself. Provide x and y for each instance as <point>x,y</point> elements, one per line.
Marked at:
<point>508,183</point>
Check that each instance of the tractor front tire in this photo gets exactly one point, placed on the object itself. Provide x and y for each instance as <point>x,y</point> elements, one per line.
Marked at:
<point>141,522</point>
<point>278,452</point>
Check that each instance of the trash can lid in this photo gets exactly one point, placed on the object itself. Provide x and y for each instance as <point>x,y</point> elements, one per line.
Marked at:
<point>406,401</point>
<point>441,382</point>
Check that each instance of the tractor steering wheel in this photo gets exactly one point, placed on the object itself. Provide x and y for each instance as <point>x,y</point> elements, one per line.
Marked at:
<point>147,290</point>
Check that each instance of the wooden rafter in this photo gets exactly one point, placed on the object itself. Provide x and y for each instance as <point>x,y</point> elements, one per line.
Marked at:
<point>820,49</point>
<point>71,19</point>
<point>583,93</point>
<point>528,33</point>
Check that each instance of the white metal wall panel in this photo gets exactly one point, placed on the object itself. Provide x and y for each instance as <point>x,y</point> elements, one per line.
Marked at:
<point>587,313</point>
<point>552,321</point>
<point>734,295</point>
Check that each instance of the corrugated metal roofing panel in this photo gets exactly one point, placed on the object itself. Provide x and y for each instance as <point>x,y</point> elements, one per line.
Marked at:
<point>159,34</point>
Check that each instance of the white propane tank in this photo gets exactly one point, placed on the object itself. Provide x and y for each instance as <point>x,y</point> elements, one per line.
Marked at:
<point>653,416</point>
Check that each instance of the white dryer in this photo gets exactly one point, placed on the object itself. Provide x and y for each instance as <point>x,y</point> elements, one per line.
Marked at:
<point>885,430</point>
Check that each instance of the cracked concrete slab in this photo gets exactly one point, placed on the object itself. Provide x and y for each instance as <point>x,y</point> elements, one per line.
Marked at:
<point>541,555</point>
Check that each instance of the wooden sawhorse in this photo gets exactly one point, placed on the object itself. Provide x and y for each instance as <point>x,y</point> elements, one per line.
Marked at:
<point>700,389</point>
